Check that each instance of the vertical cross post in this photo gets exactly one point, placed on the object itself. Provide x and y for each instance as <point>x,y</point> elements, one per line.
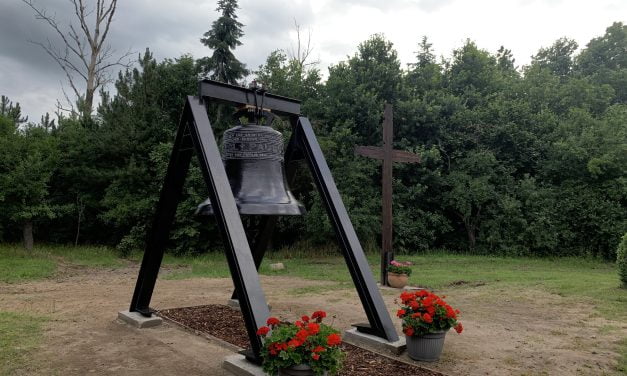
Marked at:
<point>386,204</point>
<point>389,155</point>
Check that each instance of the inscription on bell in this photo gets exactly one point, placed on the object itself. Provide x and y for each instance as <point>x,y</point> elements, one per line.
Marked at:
<point>253,142</point>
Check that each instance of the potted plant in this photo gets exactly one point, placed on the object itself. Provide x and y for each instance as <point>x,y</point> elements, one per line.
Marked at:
<point>303,348</point>
<point>426,320</point>
<point>398,273</point>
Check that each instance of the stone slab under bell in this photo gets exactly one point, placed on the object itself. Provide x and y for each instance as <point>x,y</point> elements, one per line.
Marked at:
<point>377,344</point>
<point>138,320</point>
<point>239,366</point>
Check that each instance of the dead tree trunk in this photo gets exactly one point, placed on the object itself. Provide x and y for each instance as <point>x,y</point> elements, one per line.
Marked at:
<point>471,224</point>
<point>28,235</point>
<point>81,51</point>
<point>80,208</point>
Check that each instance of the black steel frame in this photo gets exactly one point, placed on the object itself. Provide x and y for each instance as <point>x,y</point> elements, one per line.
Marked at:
<point>195,135</point>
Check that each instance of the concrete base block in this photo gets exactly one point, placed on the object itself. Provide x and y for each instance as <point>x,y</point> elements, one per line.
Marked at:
<point>139,321</point>
<point>409,288</point>
<point>277,266</point>
<point>374,343</point>
<point>234,303</point>
<point>239,366</point>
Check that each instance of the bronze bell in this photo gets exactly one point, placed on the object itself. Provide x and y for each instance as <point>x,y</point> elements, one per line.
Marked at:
<point>253,159</point>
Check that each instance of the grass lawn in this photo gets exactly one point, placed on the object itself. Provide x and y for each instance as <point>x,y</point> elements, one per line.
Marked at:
<point>17,265</point>
<point>590,280</point>
<point>593,280</point>
<point>20,334</point>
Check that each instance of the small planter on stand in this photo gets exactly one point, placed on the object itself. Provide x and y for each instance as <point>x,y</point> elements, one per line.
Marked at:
<point>426,348</point>
<point>398,280</point>
<point>398,273</point>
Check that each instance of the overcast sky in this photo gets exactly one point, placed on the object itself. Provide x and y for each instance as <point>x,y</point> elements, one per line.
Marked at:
<point>171,28</point>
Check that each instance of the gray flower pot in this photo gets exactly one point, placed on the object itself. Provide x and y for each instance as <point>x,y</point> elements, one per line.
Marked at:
<point>298,370</point>
<point>426,348</point>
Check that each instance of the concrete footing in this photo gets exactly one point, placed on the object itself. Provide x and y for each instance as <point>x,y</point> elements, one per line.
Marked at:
<point>409,288</point>
<point>239,366</point>
<point>374,343</point>
<point>137,320</point>
<point>234,303</point>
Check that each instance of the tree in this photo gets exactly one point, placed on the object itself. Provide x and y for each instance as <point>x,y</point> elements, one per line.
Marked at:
<point>223,37</point>
<point>300,53</point>
<point>474,184</point>
<point>505,60</point>
<point>139,123</point>
<point>27,160</point>
<point>425,74</point>
<point>558,58</point>
<point>290,77</point>
<point>11,111</point>
<point>621,260</point>
<point>472,74</point>
<point>83,56</point>
<point>605,60</point>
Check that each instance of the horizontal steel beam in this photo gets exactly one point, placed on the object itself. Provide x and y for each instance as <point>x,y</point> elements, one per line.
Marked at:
<point>237,95</point>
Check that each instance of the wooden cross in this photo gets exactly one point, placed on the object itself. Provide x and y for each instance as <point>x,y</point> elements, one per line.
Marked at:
<point>389,156</point>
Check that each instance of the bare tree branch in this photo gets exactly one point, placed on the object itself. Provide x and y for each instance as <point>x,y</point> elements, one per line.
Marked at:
<point>84,57</point>
<point>301,54</point>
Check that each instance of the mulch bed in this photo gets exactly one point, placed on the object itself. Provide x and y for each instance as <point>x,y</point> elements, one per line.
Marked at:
<point>227,324</point>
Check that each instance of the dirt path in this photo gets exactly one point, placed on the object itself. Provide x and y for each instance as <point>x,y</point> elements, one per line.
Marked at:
<point>507,332</point>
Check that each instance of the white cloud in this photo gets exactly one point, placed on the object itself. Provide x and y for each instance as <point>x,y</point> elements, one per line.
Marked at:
<point>171,28</point>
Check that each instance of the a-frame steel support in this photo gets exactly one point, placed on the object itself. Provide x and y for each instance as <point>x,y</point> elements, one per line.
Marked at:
<point>195,135</point>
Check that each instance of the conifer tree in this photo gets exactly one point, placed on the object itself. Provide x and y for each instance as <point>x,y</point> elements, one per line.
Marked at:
<point>222,38</point>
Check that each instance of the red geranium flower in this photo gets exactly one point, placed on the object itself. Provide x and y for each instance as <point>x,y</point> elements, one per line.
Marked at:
<point>305,318</point>
<point>334,339</point>
<point>302,335</point>
<point>318,349</point>
<point>319,315</point>
<point>459,328</point>
<point>427,318</point>
<point>431,310</point>
<point>315,356</point>
<point>406,296</point>
<point>409,331</point>
<point>273,321</point>
<point>450,313</point>
<point>263,331</point>
<point>400,312</point>
<point>313,328</point>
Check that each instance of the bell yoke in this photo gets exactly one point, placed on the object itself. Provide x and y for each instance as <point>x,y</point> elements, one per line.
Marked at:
<point>251,178</point>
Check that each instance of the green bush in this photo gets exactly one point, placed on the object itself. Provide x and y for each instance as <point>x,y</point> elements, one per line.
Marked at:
<point>621,260</point>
